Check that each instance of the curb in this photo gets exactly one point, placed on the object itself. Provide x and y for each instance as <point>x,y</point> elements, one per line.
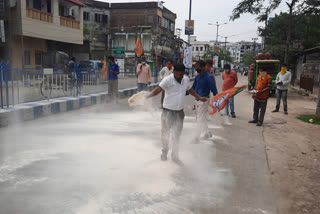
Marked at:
<point>39,109</point>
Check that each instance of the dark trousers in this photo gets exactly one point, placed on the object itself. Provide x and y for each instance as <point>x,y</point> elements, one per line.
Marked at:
<point>282,94</point>
<point>259,105</point>
<point>171,124</point>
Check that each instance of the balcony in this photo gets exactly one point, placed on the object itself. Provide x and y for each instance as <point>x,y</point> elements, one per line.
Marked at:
<point>39,15</point>
<point>71,23</point>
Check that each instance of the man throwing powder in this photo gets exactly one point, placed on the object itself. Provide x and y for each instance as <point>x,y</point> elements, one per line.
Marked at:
<point>175,87</point>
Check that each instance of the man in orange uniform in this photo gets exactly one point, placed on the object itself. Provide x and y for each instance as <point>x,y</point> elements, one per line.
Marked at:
<point>264,83</point>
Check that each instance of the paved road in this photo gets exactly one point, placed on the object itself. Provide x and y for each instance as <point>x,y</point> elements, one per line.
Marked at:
<point>105,159</point>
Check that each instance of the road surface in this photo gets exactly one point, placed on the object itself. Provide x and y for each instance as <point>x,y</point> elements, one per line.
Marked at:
<point>106,159</point>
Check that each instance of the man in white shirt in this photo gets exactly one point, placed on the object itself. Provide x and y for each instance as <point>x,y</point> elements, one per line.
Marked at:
<point>175,86</point>
<point>165,71</point>
<point>283,80</point>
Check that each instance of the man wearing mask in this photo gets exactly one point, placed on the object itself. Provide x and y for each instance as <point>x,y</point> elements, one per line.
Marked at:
<point>283,80</point>
<point>165,71</point>
<point>264,83</point>
<point>202,85</point>
<point>209,69</point>
<point>230,79</point>
<point>175,86</point>
<point>144,75</point>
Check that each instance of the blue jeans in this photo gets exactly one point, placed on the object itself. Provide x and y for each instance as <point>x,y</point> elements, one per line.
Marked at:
<point>282,94</point>
<point>231,104</point>
<point>142,87</point>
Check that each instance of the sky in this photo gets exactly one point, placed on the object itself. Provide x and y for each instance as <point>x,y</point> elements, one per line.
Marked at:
<point>212,11</point>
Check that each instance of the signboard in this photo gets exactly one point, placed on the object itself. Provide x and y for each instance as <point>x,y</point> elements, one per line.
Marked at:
<point>2,33</point>
<point>189,27</point>
<point>187,57</point>
<point>118,51</point>
<point>215,61</point>
<point>216,49</point>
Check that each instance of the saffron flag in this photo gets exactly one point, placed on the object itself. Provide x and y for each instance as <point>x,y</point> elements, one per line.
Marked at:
<point>104,69</point>
<point>219,101</point>
<point>138,48</point>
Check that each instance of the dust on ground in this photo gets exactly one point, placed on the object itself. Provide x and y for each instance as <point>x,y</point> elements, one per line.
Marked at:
<point>293,152</point>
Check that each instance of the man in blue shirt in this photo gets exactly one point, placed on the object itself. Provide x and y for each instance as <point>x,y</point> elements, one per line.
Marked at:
<point>203,84</point>
<point>113,72</point>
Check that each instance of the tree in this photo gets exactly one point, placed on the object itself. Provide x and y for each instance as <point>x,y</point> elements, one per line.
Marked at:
<point>222,54</point>
<point>248,58</point>
<point>295,7</point>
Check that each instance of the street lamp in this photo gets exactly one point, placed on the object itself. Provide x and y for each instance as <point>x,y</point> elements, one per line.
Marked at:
<point>217,24</point>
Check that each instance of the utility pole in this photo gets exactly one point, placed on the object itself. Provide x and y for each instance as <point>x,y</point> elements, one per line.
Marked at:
<point>254,44</point>
<point>217,24</point>
<point>225,43</point>
<point>189,19</point>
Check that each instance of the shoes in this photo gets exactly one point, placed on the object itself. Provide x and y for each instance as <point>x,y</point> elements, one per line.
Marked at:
<point>286,112</point>
<point>177,161</point>
<point>252,121</point>
<point>206,136</point>
<point>259,123</point>
<point>275,111</point>
<point>233,116</point>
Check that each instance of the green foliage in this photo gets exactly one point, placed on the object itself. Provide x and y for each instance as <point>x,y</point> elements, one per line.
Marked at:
<point>306,118</point>
<point>85,30</point>
<point>248,58</point>
<point>223,54</point>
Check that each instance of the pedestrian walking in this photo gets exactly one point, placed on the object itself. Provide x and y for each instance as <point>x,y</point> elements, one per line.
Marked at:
<point>230,79</point>
<point>112,77</point>
<point>263,86</point>
<point>144,75</point>
<point>175,85</point>
<point>202,85</point>
<point>165,71</point>
<point>283,80</point>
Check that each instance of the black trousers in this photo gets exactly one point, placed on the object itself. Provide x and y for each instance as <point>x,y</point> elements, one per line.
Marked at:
<point>259,105</point>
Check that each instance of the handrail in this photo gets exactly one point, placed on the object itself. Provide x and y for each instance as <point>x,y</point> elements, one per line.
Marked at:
<point>39,11</point>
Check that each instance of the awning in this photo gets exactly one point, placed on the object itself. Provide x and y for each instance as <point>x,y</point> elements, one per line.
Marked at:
<point>77,2</point>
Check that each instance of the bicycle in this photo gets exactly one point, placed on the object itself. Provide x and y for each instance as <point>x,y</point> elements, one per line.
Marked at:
<point>45,86</point>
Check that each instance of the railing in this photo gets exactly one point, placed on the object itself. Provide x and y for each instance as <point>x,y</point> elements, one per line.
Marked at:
<point>71,23</point>
<point>39,15</point>
<point>18,85</point>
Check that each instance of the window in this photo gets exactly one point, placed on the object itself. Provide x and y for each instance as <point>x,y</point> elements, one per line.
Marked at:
<point>27,57</point>
<point>1,5</point>
<point>192,48</point>
<point>86,16</point>
<point>98,17</point>
<point>201,48</point>
<point>159,20</point>
<point>197,48</point>
<point>38,58</point>
<point>172,26</point>
<point>105,19</point>
<point>150,19</point>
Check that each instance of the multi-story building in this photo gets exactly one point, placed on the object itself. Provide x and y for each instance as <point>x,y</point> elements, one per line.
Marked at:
<point>199,48</point>
<point>150,21</point>
<point>39,26</point>
<point>3,29</point>
<point>96,27</point>
<point>238,49</point>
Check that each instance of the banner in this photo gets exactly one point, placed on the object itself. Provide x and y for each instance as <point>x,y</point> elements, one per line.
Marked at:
<point>215,61</point>
<point>222,63</point>
<point>189,27</point>
<point>187,57</point>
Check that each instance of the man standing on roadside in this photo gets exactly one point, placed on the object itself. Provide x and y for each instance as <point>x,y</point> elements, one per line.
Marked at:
<point>264,83</point>
<point>113,72</point>
<point>230,79</point>
<point>144,75</point>
<point>202,85</point>
<point>175,86</point>
<point>283,80</point>
<point>165,71</point>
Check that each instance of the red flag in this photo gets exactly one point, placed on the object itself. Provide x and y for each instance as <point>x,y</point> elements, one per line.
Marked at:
<point>219,101</point>
<point>138,48</point>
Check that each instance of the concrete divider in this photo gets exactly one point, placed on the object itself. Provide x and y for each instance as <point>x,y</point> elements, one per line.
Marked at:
<point>35,110</point>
